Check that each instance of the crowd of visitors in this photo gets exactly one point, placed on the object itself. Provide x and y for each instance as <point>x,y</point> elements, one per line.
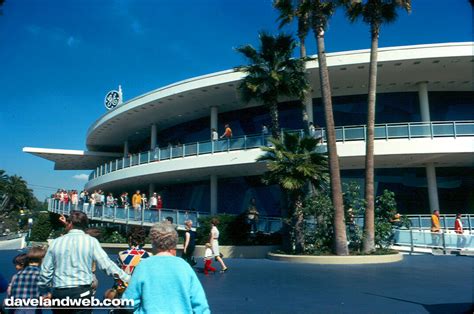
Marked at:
<point>157,282</point>
<point>94,202</point>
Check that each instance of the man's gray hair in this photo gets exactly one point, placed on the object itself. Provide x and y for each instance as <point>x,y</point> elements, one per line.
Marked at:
<point>163,237</point>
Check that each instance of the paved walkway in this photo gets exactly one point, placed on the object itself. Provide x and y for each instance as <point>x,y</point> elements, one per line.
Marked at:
<point>418,284</point>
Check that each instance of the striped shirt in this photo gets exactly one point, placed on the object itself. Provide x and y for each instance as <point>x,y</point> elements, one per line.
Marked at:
<point>68,261</point>
<point>25,283</point>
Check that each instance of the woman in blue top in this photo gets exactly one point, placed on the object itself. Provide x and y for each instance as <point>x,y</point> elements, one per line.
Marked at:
<point>165,283</point>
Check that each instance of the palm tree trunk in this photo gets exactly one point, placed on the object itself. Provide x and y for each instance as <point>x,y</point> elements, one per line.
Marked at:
<point>298,223</point>
<point>274,120</point>
<point>285,228</point>
<point>340,237</point>
<point>307,99</point>
<point>368,244</point>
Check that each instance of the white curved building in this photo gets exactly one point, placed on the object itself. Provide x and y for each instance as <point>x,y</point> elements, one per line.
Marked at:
<point>160,141</point>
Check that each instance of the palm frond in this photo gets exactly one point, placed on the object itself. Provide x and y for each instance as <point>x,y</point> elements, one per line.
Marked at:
<point>285,7</point>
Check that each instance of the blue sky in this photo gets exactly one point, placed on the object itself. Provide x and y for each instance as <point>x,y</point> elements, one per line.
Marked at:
<point>58,58</point>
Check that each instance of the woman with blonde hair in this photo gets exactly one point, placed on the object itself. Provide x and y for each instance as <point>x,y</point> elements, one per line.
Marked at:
<point>179,287</point>
<point>214,240</point>
<point>189,243</point>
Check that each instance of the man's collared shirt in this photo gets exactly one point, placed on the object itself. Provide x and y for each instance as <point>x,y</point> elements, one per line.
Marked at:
<point>68,261</point>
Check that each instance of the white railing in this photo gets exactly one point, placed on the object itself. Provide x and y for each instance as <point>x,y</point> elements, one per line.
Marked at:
<point>147,217</point>
<point>386,131</point>
<point>445,240</point>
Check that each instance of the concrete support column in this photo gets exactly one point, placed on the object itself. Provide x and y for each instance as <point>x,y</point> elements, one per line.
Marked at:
<point>424,101</point>
<point>214,118</point>
<point>153,137</point>
<point>213,184</point>
<point>125,149</point>
<point>432,187</point>
<point>151,189</point>
<point>430,168</point>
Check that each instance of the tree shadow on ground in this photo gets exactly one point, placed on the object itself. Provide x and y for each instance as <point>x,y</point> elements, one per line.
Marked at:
<point>440,308</point>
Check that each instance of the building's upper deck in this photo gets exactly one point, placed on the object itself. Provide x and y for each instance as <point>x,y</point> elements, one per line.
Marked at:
<point>446,67</point>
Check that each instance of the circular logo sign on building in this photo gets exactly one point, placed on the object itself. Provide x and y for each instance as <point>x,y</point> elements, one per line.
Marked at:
<point>112,99</point>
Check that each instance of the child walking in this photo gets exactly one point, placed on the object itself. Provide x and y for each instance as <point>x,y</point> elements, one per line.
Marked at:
<point>208,254</point>
<point>24,284</point>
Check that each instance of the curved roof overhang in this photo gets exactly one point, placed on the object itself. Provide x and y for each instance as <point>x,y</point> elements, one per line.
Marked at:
<point>445,67</point>
<point>68,159</point>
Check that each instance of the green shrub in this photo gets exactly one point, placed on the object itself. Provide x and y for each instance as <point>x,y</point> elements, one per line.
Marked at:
<point>319,213</point>
<point>319,237</point>
<point>354,205</point>
<point>41,228</point>
<point>115,237</point>
<point>233,230</point>
<point>385,210</point>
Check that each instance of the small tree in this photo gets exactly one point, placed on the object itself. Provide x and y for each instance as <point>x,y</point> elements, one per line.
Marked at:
<point>354,205</point>
<point>319,237</point>
<point>292,162</point>
<point>42,228</point>
<point>385,210</point>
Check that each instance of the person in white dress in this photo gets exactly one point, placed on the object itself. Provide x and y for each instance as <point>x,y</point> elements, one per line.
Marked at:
<point>214,240</point>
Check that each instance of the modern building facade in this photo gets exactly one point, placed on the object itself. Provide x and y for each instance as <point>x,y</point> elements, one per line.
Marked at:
<point>424,147</point>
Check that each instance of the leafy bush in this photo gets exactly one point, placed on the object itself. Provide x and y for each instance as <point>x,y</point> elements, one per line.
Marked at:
<point>385,210</point>
<point>115,237</point>
<point>319,213</point>
<point>319,235</point>
<point>41,228</point>
<point>354,206</point>
<point>233,230</point>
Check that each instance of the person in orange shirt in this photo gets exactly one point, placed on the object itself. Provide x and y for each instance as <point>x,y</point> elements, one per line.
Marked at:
<point>227,133</point>
<point>435,228</point>
<point>136,204</point>
<point>458,228</point>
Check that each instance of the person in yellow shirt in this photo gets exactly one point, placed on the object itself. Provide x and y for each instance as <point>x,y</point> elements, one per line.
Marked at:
<point>136,204</point>
<point>435,228</point>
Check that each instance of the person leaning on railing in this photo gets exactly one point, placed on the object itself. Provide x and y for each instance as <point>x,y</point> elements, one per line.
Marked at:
<point>458,228</point>
<point>435,228</point>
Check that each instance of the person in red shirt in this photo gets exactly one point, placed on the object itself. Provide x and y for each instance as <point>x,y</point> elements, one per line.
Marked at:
<point>458,228</point>
<point>159,203</point>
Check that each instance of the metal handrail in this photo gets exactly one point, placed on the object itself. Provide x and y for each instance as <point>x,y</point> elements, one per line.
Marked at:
<point>385,131</point>
<point>267,224</point>
<point>148,217</point>
<point>444,241</point>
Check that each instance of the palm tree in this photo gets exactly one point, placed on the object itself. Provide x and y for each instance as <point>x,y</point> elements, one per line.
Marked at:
<point>292,161</point>
<point>272,74</point>
<point>375,13</point>
<point>3,178</point>
<point>320,11</point>
<point>17,192</point>
<point>289,10</point>
<point>3,184</point>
